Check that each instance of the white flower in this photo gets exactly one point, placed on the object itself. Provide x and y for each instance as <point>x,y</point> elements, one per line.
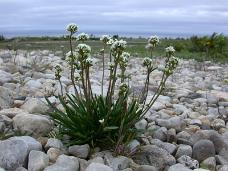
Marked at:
<point>83,49</point>
<point>105,38</point>
<point>125,55</point>
<point>90,61</point>
<point>170,49</point>
<point>110,42</point>
<point>118,46</point>
<point>154,40</point>
<point>147,61</point>
<point>83,37</point>
<point>101,121</point>
<point>72,27</point>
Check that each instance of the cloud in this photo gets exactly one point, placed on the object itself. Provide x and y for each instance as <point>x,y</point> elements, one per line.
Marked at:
<point>133,16</point>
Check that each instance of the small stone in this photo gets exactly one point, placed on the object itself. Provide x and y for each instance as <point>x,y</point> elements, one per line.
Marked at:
<point>81,151</point>
<point>218,123</point>
<point>98,167</point>
<point>53,154</point>
<point>97,160</point>
<point>175,122</point>
<point>6,98</point>
<point>184,150</point>
<point>21,169</point>
<point>141,125</point>
<point>37,161</point>
<point>133,145</point>
<point>223,168</point>
<point>53,143</point>
<point>178,167</point>
<point>209,163</point>
<point>64,163</point>
<point>146,168</point>
<point>171,148</point>
<point>171,135</point>
<point>188,162</point>
<point>120,163</point>
<point>203,149</point>
<point>83,164</point>
<point>160,134</point>
<point>196,122</point>
<point>154,156</point>
<point>11,112</point>
<point>5,77</point>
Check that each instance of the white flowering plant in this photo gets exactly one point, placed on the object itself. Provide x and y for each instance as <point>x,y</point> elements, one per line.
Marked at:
<point>82,37</point>
<point>107,119</point>
<point>153,41</point>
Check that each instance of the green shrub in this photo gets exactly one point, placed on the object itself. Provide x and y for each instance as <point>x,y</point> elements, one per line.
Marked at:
<point>2,38</point>
<point>109,119</point>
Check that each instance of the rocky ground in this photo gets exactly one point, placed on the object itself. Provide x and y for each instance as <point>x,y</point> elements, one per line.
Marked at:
<point>185,130</point>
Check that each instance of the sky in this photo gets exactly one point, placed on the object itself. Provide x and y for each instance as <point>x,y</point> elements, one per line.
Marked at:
<point>124,17</point>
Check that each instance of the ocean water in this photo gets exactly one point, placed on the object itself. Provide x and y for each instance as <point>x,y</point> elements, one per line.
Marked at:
<point>40,33</point>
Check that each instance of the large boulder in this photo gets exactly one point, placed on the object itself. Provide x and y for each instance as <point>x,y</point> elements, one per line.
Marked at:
<point>154,156</point>
<point>14,151</point>
<point>35,105</point>
<point>6,98</point>
<point>31,142</point>
<point>36,125</point>
<point>203,149</point>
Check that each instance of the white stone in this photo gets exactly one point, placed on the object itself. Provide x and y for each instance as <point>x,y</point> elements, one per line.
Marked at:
<point>32,124</point>
<point>98,167</point>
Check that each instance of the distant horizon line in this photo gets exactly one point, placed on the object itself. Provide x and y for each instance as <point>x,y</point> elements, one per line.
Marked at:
<point>133,34</point>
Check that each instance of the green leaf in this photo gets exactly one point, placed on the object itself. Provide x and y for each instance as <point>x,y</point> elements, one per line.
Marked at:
<point>108,128</point>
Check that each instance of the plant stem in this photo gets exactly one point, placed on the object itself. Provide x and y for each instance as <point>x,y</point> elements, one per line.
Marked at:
<point>72,67</point>
<point>102,82</point>
<point>61,87</point>
<point>113,82</point>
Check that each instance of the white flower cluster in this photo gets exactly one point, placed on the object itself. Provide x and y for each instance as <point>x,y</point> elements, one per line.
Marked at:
<point>72,27</point>
<point>105,39</point>
<point>123,88</point>
<point>110,42</point>
<point>171,65</point>
<point>89,61</point>
<point>153,40</point>
<point>124,59</point>
<point>118,47</point>
<point>125,56</point>
<point>170,49</point>
<point>83,37</point>
<point>83,49</point>
<point>147,61</point>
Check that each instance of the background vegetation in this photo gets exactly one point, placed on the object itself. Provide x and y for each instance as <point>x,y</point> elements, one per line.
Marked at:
<point>214,47</point>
